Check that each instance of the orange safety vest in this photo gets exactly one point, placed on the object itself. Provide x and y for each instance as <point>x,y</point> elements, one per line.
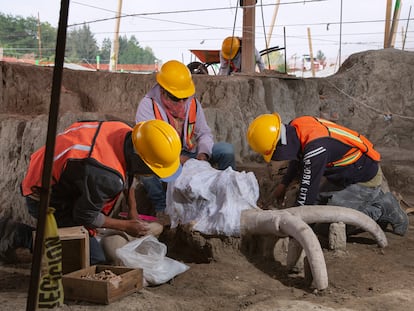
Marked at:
<point>192,116</point>
<point>102,141</point>
<point>311,128</point>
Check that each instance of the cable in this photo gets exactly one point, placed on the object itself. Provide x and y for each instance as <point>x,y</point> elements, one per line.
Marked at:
<point>382,113</point>
<point>264,34</point>
<point>173,12</point>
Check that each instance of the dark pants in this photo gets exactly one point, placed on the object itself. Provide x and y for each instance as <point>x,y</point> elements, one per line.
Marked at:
<point>24,235</point>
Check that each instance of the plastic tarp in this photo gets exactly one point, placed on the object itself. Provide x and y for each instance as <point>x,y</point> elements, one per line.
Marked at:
<point>211,200</point>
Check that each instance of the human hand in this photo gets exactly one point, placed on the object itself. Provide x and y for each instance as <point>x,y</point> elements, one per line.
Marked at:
<point>136,228</point>
<point>183,159</point>
<point>278,194</point>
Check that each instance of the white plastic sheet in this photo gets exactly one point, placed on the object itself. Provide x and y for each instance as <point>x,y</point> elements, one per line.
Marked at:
<point>210,199</point>
<point>150,254</point>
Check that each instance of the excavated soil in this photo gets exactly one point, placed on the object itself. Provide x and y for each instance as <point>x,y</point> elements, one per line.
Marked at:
<point>224,275</point>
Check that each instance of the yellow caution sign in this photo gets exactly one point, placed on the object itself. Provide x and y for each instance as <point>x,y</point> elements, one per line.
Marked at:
<point>50,286</point>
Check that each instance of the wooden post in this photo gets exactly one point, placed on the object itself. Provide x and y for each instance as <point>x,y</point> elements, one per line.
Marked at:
<point>311,52</point>
<point>394,24</point>
<point>113,62</point>
<point>248,63</point>
<point>387,23</point>
<point>269,34</point>
<point>39,36</point>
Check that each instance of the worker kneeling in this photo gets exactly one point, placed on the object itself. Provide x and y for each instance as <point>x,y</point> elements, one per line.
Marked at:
<point>319,149</point>
<point>94,162</point>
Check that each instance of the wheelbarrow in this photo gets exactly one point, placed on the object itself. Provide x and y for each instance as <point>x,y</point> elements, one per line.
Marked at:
<point>209,58</point>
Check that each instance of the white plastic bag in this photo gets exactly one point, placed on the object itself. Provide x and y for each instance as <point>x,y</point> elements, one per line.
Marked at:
<point>211,200</point>
<point>150,254</point>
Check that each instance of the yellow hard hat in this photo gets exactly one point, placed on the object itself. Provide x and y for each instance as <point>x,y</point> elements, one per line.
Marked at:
<point>159,146</point>
<point>263,134</point>
<point>176,78</point>
<point>230,47</point>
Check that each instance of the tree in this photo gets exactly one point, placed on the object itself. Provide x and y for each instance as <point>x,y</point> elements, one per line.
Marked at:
<point>20,36</point>
<point>105,51</point>
<point>81,45</point>
<point>320,57</point>
<point>131,53</point>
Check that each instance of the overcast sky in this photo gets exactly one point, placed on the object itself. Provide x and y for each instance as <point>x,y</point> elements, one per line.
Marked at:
<point>172,28</point>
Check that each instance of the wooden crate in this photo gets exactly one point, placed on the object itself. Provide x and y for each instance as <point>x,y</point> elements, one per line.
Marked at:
<point>75,248</point>
<point>77,287</point>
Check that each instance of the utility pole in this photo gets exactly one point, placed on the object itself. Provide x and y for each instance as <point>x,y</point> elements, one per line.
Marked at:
<point>248,63</point>
<point>39,36</point>
<point>311,52</point>
<point>394,24</point>
<point>113,62</point>
<point>406,29</point>
<point>269,34</point>
<point>387,23</point>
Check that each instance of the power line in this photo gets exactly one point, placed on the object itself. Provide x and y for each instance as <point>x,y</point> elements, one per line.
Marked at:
<point>173,12</point>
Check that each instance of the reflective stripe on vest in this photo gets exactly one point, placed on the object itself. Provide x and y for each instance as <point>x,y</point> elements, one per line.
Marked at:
<point>192,116</point>
<point>311,128</point>
<point>102,141</point>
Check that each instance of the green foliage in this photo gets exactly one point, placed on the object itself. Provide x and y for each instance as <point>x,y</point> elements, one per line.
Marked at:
<point>320,56</point>
<point>81,45</point>
<point>276,60</point>
<point>105,51</point>
<point>131,53</point>
<point>20,37</point>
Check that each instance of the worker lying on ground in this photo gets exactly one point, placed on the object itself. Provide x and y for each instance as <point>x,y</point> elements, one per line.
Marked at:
<point>231,55</point>
<point>173,100</point>
<point>94,162</point>
<point>318,148</point>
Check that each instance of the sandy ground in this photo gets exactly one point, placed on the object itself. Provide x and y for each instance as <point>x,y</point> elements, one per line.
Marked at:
<point>222,277</point>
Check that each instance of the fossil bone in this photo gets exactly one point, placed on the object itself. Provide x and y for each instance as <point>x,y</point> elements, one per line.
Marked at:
<point>330,214</point>
<point>281,223</point>
<point>294,222</point>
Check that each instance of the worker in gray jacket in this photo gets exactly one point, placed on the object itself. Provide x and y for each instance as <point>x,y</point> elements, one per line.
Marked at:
<point>230,56</point>
<point>173,100</point>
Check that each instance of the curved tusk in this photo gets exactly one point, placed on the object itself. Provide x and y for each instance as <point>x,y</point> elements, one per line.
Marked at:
<point>281,223</point>
<point>330,213</point>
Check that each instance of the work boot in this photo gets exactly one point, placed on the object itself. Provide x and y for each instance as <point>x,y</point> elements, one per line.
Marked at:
<point>392,213</point>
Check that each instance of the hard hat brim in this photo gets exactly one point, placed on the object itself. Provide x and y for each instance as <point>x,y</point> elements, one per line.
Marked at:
<point>267,158</point>
<point>167,173</point>
<point>173,176</point>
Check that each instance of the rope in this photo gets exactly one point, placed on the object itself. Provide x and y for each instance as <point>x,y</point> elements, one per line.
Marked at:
<point>264,32</point>
<point>385,114</point>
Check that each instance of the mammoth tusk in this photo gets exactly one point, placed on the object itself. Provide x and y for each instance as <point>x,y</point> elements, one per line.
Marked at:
<point>281,223</point>
<point>330,214</point>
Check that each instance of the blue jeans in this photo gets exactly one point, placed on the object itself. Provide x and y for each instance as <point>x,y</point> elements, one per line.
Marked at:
<point>222,157</point>
<point>96,253</point>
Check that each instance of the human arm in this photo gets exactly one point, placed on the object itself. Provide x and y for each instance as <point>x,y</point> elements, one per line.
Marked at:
<point>133,227</point>
<point>259,60</point>
<point>145,110</point>
<point>97,186</point>
<point>132,202</point>
<point>203,135</point>
<point>314,161</point>
<point>224,66</point>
